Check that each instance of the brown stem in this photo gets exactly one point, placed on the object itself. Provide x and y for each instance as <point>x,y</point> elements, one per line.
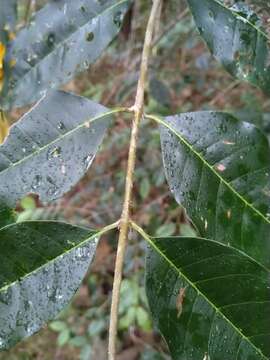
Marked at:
<point>125,218</point>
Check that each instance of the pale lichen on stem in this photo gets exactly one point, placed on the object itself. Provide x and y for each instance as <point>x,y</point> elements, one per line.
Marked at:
<point>125,218</point>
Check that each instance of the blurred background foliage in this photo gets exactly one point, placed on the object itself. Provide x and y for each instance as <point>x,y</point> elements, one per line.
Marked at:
<point>183,77</point>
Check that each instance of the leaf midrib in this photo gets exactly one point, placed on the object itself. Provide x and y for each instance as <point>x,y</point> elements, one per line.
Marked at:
<point>83,242</point>
<point>245,20</point>
<point>189,146</point>
<point>61,137</point>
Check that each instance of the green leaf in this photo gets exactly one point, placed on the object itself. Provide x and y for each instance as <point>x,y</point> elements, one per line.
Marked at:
<point>51,147</point>
<point>218,169</point>
<point>187,230</point>
<point>145,188</point>
<point>78,341</point>
<point>129,295</point>
<point>96,327</point>
<point>166,229</point>
<point>236,39</point>
<point>86,353</point>
<point>143,319</point>
<point>8,14</point>
<point>41,266</point>
<point>7,216</point>
<point>58,326</point>
<point>63,337</point>
<point>64,38</point>
<point>126,321</point>
<point>199,318</point>
<point>28,203</point>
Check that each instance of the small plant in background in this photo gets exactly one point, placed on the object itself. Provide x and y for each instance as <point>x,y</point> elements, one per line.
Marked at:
<point>208,288</point>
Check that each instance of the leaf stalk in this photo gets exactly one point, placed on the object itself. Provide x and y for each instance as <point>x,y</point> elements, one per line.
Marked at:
<point>138,109</point>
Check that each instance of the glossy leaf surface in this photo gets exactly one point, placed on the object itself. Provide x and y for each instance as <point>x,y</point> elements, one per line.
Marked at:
<point>64,38</point>
<point>236,39</point>
<point>41,266</point>
<point>199,318</point>
<point>218,169</point>
<point>51,147</point>
<point>7,216</point>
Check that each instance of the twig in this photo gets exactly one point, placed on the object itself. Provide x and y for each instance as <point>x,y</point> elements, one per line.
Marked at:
<point>133,30</point>
<point>266,105</point>
<point>125,218</point>
<point>181,16</point>
<point>224,92</point>
<point>131,65</point>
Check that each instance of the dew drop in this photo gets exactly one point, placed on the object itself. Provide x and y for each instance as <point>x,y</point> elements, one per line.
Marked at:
<point>60,125</point>
<point>90,36</point>
<point>36,182</point>
<point>51,39</point>
<point>118,18</point>
<point>54,153</point>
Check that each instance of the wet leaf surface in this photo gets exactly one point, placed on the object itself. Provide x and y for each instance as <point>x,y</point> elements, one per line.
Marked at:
<point>216,322</point>
<point>7,216</point>
<point>41,266</point>
<point>51,147</point>
<point>236,38</point>
<point>64,38</point>
<point>217,167</point>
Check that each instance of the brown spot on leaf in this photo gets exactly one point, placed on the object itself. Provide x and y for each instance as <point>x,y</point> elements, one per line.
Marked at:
<point>180,301</point>
<point>221,167</point>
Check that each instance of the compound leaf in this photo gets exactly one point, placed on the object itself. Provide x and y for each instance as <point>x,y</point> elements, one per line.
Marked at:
<point>41,266</point>
<point>236,39</point>
<point>51,147</point>
<point>218,169</point>
<point>64,38</point>
<point>199,318</point>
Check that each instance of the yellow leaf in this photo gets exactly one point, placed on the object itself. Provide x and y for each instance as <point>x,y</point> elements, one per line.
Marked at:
<point>2,55</point>
<point>4,127</point>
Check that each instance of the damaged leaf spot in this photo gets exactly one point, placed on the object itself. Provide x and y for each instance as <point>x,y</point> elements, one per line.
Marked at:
<point>180,301</point>
<point>221,167</point>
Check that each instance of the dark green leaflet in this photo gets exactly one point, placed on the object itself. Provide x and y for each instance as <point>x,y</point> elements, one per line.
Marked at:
<point>199,318</point>
<point>51,147</point>
<point>41,266</point>
<point>64,38</point>
<point>7,216</point>
<point>218,169</point>
<point>235,38</point>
